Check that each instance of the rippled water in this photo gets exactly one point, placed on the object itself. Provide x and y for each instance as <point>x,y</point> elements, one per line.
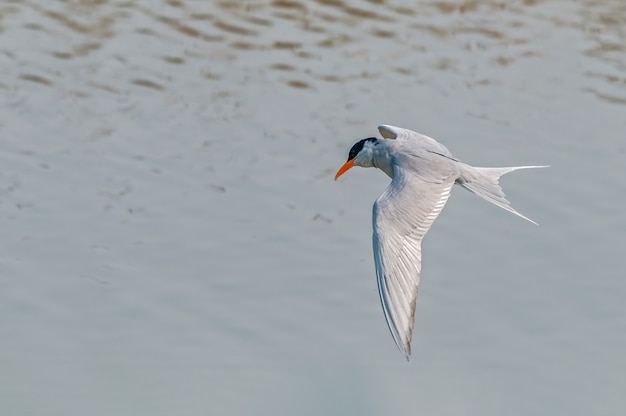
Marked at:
<point>174,242</point>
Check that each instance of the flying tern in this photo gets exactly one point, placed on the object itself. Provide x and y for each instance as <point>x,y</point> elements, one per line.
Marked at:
<point>422,173</point>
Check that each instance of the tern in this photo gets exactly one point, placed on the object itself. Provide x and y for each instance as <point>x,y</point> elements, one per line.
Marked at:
<point>422,173</point>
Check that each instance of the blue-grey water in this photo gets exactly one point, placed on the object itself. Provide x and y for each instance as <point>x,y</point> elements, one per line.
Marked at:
<point>173,242</point>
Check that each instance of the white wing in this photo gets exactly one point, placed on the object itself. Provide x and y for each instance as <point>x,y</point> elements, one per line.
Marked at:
<point>428,143</point>
<point>402,215</point>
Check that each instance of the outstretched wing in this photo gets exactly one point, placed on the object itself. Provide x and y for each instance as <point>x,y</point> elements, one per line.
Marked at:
<point>402,216</point>
<point>427,143</point>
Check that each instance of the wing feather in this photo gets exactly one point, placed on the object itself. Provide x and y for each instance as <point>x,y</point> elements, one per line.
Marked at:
<point>402,216</point>
<point>427,143</point>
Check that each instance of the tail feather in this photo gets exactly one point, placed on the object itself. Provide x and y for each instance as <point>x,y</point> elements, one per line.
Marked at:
<point>485,183</point>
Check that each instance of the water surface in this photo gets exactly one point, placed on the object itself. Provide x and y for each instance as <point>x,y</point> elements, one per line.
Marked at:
<point>174,242</point>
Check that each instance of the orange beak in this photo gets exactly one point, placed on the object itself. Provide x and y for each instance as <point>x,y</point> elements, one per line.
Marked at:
<point>344,168</point>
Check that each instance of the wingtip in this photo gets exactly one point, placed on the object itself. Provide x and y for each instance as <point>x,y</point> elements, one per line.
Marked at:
<point>388,131</point>
<point>407,351</point>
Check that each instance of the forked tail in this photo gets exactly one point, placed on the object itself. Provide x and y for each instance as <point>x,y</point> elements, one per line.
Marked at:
<point>485,182</point>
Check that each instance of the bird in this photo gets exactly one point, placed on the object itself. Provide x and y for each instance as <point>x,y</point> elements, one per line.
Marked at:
<point>422,172</point>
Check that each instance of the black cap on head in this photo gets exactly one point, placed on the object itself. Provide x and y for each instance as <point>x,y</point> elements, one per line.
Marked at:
<point>359,146</point>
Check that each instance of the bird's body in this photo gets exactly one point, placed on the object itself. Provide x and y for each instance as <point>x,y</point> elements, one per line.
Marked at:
<point>423,173</point>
